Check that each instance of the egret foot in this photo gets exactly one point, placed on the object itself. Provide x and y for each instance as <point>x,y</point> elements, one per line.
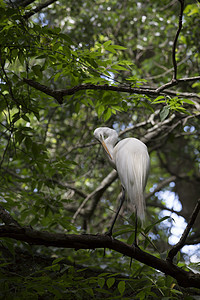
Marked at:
<point>136,246</point>
<point>109,233</point>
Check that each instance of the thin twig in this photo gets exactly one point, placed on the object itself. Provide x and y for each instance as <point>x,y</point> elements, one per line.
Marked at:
<point>98,191</point>
<point>7,218</point>
<point>26,2</point>
<point>5,150</point>
<point>183,238</point>
<point>174,80</point>
<point>176,39</point>
<point>38,8</point>
<point>160,185</point>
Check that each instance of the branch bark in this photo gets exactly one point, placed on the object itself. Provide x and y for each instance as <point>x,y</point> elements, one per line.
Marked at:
<point>152,92</point>
<point>35,237</point>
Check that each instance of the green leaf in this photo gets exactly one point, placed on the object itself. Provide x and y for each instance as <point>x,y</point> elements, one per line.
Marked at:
<point>121,287</point>
<point>19,136</point>
<point>56,267</point>
<point>67,38</point>
<point>8,243</point>
<point>37,71</point>
<point>67,51</point>
<point>159,99</point>
<point>57,260</point>
<point>147,229</point>
<point>21,57</point>
<point>25,118</point>
<point>111,49</point>
<point>110,282</point>
<point>35,150</point>
<point>101,281</point>
<point>188,101</point>
<point>28,143</point>
<point>89,291</point>
<point>15,117</point>
<point>164,113</point>
<point>3,105</point>
<point>107,114</point>
<point>57,76</point>
<point>107,43</point>
<point>100,110</point>
<point>119,47</point>
<point>141,295</point>
<point>119,67</point>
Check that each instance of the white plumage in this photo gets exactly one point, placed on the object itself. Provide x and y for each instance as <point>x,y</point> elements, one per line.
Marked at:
<point>131,160</point>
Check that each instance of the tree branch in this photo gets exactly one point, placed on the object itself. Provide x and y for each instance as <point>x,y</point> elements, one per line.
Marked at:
<point>160,185</point>
<point>183,238</point>
<point>174,80</point>
<point>34,237</point>
<point>176,39</point>
<point>7,218</point>
<point>67,186</point>
<point>59,94</point>
<point>38,8</point>
<point>96,194</point>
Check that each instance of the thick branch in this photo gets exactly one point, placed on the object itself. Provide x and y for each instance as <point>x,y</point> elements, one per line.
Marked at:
<point>183,238</point>
<point>59,94</point>
<point>26,234</point>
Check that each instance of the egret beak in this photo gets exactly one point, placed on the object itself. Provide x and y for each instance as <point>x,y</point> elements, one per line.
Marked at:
<point>106,149</point>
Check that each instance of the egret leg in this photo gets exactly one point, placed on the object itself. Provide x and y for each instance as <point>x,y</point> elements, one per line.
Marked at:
<point>122,199</point>
<point>136,226</point>
<point>135,237</point>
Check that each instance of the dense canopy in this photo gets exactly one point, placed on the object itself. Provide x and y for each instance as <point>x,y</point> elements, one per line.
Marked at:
<point>66,69</point>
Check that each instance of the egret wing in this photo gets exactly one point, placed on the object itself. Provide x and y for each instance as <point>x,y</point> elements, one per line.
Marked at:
<point>132,164</point>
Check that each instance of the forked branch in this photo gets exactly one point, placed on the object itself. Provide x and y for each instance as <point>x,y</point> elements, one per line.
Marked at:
<point>184,236</point>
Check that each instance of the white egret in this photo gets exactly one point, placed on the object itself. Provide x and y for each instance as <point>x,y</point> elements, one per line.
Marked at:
<point>131,160</point>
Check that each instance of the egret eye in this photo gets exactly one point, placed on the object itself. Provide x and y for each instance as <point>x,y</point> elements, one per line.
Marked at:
<point>103,136</point>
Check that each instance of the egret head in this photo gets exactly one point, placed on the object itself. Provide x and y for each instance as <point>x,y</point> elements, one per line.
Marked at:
<point>107,137</point>
<point>106,134</point>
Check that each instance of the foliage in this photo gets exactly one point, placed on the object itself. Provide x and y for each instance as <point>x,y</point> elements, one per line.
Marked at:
<point>50,162</point>
<point>59,280</point>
